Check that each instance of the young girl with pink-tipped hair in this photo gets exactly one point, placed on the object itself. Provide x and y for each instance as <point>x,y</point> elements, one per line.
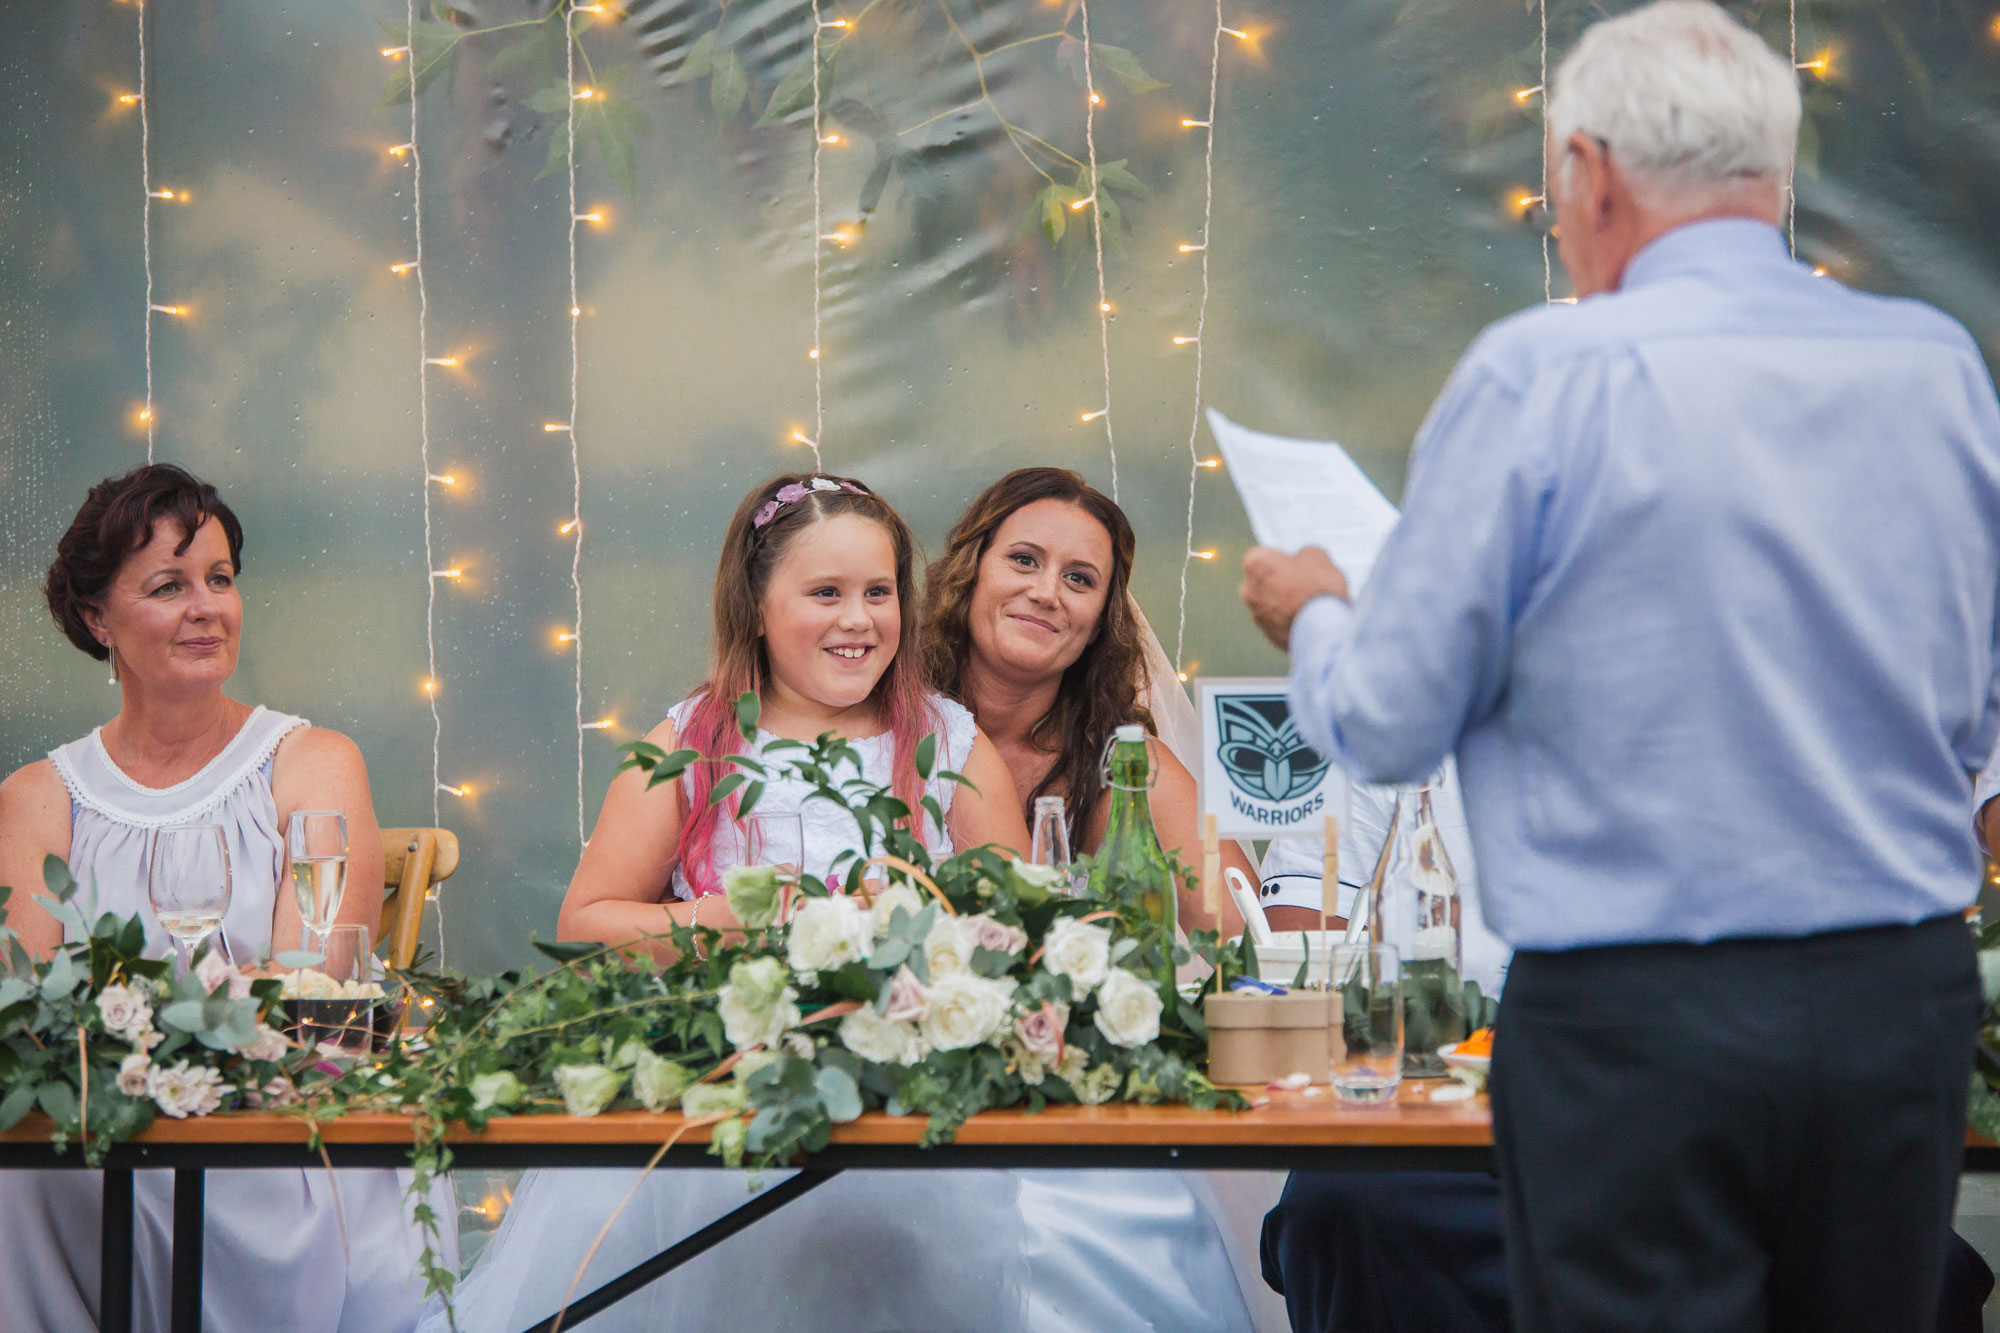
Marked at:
<point>815,610</point>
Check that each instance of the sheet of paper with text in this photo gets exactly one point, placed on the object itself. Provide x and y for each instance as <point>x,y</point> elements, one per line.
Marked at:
<point>1301,493</point>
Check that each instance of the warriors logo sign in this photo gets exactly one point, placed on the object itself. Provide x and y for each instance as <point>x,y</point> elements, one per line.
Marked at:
<point>1258,776</point>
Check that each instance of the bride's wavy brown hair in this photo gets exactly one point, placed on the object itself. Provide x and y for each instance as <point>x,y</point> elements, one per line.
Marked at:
<point>1102,690</point>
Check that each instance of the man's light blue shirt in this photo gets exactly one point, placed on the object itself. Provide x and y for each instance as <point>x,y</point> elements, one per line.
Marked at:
<point>1699,580</point>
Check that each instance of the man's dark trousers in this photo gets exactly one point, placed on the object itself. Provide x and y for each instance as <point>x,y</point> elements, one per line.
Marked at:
<point>1742,1136</point>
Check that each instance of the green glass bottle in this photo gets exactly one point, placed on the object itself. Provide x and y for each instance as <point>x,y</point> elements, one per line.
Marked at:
<point>1130,865</point>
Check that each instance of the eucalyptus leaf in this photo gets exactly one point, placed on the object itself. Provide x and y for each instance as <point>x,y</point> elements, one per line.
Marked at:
<point>58,1100</point>
<point>752,793</point>
<point>20,1100</point>
<point>927,755</point>
<point>56,876</point>
<point>61,977</point>
<point>747,709</point>
<point>724,785</point>
<point>838,1090</point>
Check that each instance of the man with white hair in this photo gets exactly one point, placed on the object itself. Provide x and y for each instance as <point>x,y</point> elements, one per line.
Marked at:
<point>1699,580</point>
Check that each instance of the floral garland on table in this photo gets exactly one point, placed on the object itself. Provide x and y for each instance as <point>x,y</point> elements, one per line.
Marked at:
<point>937,989</point>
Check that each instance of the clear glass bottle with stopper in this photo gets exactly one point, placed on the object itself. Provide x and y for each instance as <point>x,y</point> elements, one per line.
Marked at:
<point>1131,865</point>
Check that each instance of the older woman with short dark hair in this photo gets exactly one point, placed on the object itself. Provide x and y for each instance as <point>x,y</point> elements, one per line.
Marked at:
<point>145,579</point>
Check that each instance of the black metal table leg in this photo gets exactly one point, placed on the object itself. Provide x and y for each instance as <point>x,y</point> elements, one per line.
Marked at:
<point>721,1229</point>
<point>114,1254</point>
<point>189,1188</point>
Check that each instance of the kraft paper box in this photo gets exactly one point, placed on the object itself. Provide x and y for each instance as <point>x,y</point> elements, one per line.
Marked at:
<point>1256,1038</point>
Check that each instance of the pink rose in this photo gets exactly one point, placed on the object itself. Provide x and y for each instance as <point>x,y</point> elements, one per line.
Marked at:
<point>211,971</point>
<point>991,934</point>
<point>907,997</point>
<point>1041,1030</point>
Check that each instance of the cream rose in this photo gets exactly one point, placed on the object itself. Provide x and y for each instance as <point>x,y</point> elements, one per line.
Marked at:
<point>948,948</point>
<point>1079,951</point>
<point>659,1082</point>
<point>125,1011</point>
<point>706,1099</point>
<point>965,1010</point>
<point>1128,1009</point>
<point>181,1090</point>
<point>1099,1085</point>
<point>132,1074</point>
<point>499,1088</point>
<point>828,932</point>
<point>213,973</point>
<point>269,1044</point>
<point>891,897</point>
<point>874,1037</point>
<point>908,997</point>
<point>754,894</point>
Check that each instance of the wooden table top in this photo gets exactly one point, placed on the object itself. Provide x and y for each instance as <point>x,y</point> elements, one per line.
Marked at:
<point>1285,1119</point>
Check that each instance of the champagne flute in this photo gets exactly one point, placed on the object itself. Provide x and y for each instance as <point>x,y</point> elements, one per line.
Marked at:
<point>1049,845</point>
<point>773,838</point>
<point>317,842</point>
<point>187,883</point>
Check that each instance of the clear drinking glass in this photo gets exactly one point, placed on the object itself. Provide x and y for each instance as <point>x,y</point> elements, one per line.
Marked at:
<point>348,1022</point>
<point>772,838</point>
<point>1367,1058</point>
<point>1050,843</point>
<point>187,883</point>
<point>317,842</point>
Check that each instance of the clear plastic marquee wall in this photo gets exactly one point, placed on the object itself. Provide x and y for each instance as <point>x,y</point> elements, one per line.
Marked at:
<point>485,373</point>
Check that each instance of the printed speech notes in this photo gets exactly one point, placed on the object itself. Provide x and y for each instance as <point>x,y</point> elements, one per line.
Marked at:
<point>1301,493</point>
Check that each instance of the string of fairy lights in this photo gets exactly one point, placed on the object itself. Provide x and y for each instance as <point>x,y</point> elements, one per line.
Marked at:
<point>1195,461</point>
<point>148,415</point>
<point>1092,101</point>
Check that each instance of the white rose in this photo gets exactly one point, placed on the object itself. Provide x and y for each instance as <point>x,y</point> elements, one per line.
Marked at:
<point>948,948</point>
<point>1079,951</point>
<point>125,1011</point>
<point>888,899</point>
<point>1128,1009</point>
<point>268,1045</point>
<point>756,1007</point>
<point>586,1089</point>
<point>965,1010</point>
<point>658,1082</point>
<point>988,933</point>
<point>883,1040</point>
<point>132,1074</point>
<point>212,972</point>
<point>828,932</point>
<point>181,1090</point>
<point>1049,879</point>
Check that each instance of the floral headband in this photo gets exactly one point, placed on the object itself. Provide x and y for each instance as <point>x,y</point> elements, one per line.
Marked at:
<point>798,491</point>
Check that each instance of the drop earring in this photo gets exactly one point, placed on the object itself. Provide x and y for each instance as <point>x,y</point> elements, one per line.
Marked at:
<point>113,659</point>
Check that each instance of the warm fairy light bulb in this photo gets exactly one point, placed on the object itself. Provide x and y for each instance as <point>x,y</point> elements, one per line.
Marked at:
<point>454,573</point>
<point>563,638</point>
<point>1092,416</point>
<point>800,437</point>
<point>1183,676</point>
<point>1095,100</point>
<point>836,23</point>
<point>160,194</point>
<point>566,527</point>
<point>555,427</point>
<point>812,353</point>
<point>830,139</point>
<point>1182,340</point>
<point>446,361</point>
<point>1526,93</point>
<point>444,478</point>
<point>1104,306</point>
<point>395,52</point>
<point>1188,249</point>
<point>400,149</point>
<point>1993,31</point>
<point>602,724</point>
<point>584,94</point>
<point>128,99</point>
<point>1083,203</point>
<point>575,311</point>
<point>407,266</point>
<point>1819,270</point>
<point>1209,462</point>
<point>1202,555</point>
<point>428,685</point>
<point>178,311</point>
<point>1187,124</point>
<point>1238,34</point>
<point>463,791</point>
<point>1524,202</point>
<point>595,217</point>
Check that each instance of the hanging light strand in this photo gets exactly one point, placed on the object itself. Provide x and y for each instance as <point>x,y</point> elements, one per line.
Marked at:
<point>1091,103</point>
<point>146,222</point>
<point>1791,176</point>
<point>819,241</point>
<point>1548,270</point>
<point>1195,464</point>
<point>575,526</point>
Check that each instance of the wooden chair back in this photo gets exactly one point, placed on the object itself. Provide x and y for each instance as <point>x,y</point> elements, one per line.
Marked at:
<point>414,861</point>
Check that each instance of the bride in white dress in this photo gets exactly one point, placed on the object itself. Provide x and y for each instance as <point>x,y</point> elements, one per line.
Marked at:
<point>146,578</point>
<point>814,598</point>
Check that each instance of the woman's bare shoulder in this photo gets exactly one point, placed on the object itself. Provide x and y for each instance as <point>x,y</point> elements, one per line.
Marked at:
<point>34,803</point>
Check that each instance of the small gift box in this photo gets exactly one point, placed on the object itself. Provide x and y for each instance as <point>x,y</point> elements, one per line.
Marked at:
<point>1260,1037</point>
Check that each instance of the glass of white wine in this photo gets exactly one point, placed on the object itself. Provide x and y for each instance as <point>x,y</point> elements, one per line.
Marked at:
<point>317,843</point>
<point>187,883</point>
